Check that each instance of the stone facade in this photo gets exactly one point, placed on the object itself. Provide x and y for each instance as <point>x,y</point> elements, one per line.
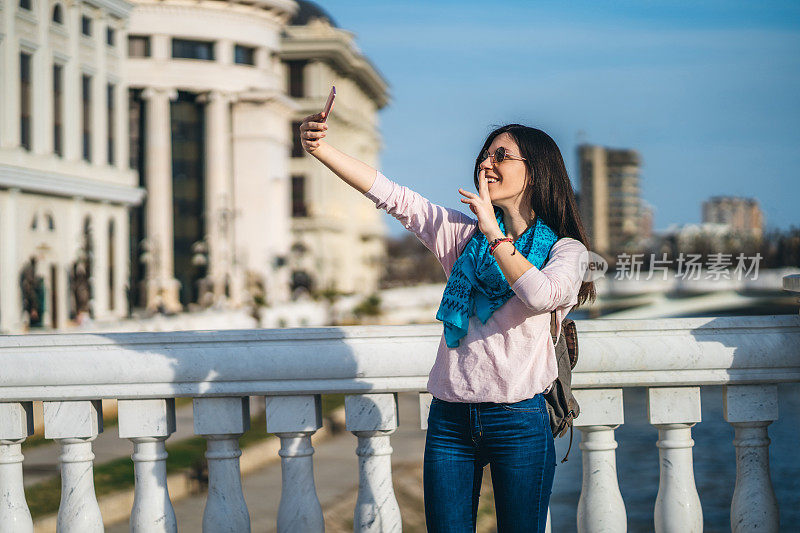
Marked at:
<point>65,184</point>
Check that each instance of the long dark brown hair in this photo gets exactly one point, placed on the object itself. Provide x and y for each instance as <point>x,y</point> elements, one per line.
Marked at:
<point>548,188</point>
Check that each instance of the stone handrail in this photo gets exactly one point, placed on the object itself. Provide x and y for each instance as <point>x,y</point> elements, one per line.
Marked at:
<point>613,353</point>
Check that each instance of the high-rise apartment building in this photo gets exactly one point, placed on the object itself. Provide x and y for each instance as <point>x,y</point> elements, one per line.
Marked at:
<point>742,215</point>
<point>610,199</point>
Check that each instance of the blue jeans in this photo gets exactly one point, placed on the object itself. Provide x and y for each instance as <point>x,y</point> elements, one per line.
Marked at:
<point>514,438</point>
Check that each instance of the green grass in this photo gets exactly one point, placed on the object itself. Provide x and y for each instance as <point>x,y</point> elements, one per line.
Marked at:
<point>117,475</point>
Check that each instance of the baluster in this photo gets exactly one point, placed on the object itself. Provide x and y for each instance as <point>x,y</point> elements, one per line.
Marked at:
<point>750,409</point>
<point>147,424</point>
<point>294,419</point>
<point>74,425</point>
<point>16,424</point>
<point>425,399</point>
<point>674,410</point>
<point>222,421</point>
<point>372,418</point>
<point>600,507</point>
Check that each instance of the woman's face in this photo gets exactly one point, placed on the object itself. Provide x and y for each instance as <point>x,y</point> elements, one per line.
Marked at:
<point>511,175</point>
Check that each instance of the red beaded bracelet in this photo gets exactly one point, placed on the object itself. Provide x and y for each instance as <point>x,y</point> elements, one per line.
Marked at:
<point>495,243</point>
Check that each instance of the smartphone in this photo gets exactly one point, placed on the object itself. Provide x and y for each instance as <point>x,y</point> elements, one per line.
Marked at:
<point>329,103</point>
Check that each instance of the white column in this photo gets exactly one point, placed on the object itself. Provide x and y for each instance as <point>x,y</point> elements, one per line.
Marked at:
<point>224,52</point>
<point>100,275</point>
<point>600,508</point>
<point>10,292</point>
<point>121,260</point>
<point>222,421</point>
<point>75,424</point>
<point>72,106</point>
<point>263,59</point>
<point>148,424</point>
<point>674,410</point>
<point>121,133</point>
<point>42,90</point>
<point>16,424</point>
<point>294,419</point>
<point>750,409</point>
<point>62,280</point>
<point>372,418</point>
<point>9,136</point>
<point>218,208</point>
<point>99,82</point>
<point>162,287</point>
<point>425,399</point>
<point>160,46</point>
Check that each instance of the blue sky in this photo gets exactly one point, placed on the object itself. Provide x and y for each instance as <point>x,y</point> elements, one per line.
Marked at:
<point>708,92</point>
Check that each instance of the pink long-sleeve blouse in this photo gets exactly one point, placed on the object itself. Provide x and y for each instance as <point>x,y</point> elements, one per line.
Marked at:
<point>511,357</point>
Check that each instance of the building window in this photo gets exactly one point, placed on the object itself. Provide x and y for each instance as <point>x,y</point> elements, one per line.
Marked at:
<point>296,82</point>
<point>138,46</point>
<point>136,124</point>
<point>244,55</point>
<point>86,25</point>
<point>111,266</point>
<point>26,4</point>
<point>58,110</point>
<point>186,49</point>
<point>110,89</point>
<point>299,208</point>
<point>187,119</point>
<point>58,14</point>
<point>110,36</point>
<point>86,93</point>
<point>297,146</point>
<point>25,100</point>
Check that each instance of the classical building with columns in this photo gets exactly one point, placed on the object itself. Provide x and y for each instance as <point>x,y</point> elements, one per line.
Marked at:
<point>147,158</point>
<point>337,234</point>
<point>65,183</point>
<point>210,138</point>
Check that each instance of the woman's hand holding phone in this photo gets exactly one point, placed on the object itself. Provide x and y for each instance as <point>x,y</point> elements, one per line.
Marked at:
<point>312,131</point>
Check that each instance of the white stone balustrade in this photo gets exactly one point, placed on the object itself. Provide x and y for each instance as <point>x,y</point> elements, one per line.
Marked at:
<point>372,418</point>
<point>75,424</point>
<point>750,409</point>
<point>16,424</point>
<point>674,410</point>
<point>294,419</point>
<point>148,424</point>
<point>221,369</point>
<point>222,421</point>
<point>600,507</point>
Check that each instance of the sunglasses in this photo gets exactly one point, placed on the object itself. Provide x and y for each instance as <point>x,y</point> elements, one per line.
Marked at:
<point>499,155</point>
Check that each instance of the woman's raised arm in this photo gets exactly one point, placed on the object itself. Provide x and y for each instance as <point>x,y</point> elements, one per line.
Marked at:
<point>355,173</point>
<point>443,231</point>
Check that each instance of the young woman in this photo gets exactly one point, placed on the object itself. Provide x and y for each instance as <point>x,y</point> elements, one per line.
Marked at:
<point>496,356</point>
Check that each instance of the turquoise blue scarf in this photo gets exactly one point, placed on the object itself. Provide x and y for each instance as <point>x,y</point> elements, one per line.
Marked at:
<point>477,285</point>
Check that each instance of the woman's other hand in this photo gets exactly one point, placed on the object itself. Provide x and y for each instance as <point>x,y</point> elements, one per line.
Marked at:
<point>481,205</point>
<point>312,131</point>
